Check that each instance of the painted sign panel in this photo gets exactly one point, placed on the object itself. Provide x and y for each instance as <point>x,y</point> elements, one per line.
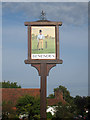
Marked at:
<point>43,45</point>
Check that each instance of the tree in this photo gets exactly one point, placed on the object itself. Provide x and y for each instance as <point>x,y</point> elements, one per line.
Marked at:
<point>51,96</point>
<point>73,107</point>
<point>9,84</point>
<point>64,111</point>
<point>30,106</point>
<point>81,103</point>
<point>88,105</point>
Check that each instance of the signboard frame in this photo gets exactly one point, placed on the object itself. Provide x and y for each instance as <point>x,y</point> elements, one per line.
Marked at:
<point>44,49</point>
<point>43,23</point>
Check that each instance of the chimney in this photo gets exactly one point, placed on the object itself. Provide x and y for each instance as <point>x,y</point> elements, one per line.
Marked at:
<point>58,94</point>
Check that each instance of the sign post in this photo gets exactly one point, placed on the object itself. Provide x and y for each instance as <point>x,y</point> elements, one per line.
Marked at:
<point>41,57</point>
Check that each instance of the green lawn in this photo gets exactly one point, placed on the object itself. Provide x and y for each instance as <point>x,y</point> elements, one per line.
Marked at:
<point>50,46</point>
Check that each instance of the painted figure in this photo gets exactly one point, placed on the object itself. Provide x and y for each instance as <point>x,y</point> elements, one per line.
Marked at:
<point>40,38</point>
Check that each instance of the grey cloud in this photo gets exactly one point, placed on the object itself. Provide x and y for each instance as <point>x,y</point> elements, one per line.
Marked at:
<point>69,13</point>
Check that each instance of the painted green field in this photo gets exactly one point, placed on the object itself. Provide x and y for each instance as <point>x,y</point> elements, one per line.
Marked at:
<point>46,50</point>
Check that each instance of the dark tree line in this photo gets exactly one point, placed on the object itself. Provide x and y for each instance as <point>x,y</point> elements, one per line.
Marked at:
<point>8,84</point>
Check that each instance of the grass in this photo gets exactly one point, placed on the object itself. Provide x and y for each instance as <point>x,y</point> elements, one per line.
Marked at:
<point>50,46</point>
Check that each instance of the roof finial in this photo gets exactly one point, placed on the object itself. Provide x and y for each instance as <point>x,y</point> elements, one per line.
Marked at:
<point>43,15</point>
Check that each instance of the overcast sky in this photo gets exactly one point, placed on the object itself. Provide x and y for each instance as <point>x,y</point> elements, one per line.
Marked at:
<point>73,73</point>
<point>44,0</point>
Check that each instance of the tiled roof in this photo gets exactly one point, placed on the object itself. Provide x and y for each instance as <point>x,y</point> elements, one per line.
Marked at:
<point>55,101</point>
<point>12,94</point>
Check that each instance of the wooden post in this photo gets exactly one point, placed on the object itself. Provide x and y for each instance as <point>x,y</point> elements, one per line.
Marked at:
<point>43,100</point>
<point>43,70</point>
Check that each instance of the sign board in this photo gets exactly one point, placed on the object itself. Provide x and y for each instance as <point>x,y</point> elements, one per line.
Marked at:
<point>43,42</point>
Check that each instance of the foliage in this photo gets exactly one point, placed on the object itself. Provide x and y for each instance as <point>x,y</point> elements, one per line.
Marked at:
<point>36,117</point>
<point>51,96</point>
<point>88,102</point>
<point>9,84</point>
<point>7,111</point>
<point>28,105</point>
<point>81,104</point>
<point>64,111</point>
<point>49,115</point>
<point>73,107</point>
<point>7,107</point>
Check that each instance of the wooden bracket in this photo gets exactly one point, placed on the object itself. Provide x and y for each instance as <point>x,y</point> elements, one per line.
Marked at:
<point>46,68</point>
